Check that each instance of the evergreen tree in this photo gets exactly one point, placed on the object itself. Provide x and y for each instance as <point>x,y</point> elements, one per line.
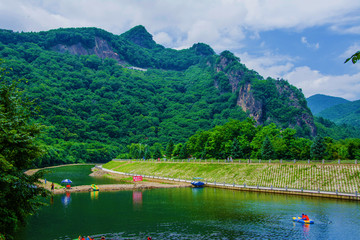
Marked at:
<point>267,149</point>
<point>169,149</point>
<point>157,153</point>
<point>147,152</point>
<point>18,150</point>
<point>317,150</point>
<point>236,151</point>
<point>184,152</point>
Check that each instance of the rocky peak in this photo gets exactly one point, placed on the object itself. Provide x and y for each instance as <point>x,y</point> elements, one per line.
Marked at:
<point>140,36</point>
<point>202,49</point>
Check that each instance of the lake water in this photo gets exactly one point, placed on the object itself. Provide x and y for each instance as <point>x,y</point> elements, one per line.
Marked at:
<point>186,213</point>
<point>78,174</point>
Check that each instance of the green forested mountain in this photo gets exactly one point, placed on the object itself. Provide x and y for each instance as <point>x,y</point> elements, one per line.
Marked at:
<point>346,113</point>
<point>95,104</point>
<point>320,102</point>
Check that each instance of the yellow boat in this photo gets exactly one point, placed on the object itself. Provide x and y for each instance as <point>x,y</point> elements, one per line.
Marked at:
<point>94,187</point>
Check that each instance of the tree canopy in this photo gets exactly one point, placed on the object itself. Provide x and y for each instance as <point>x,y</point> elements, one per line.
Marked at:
<point>18,150</point>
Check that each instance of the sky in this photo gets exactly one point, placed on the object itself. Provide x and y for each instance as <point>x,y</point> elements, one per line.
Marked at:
<point>303,41</point>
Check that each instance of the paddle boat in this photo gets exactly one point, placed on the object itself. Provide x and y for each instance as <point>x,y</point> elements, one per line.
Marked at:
<point>94,187</point>
<point>197,183</point>
<point>300,220</point>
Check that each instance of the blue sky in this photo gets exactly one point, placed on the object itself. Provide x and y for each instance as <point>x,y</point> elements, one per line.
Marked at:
<point>302,41</point>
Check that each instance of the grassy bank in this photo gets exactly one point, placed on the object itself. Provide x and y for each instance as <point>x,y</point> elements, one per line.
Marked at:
<point>326,177</point>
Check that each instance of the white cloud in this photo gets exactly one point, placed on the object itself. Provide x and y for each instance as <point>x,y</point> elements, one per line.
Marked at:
<point>310,81</point>
<point>216,22</point>
<point>309,45</point>
<point>313,82</point>
<point>162,38</point>
<point>269,64</point>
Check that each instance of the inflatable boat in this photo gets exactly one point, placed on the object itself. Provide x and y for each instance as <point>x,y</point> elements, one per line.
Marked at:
<point>300,220</point>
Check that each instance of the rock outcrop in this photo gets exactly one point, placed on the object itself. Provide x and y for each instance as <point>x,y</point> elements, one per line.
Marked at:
<point>102,49</point>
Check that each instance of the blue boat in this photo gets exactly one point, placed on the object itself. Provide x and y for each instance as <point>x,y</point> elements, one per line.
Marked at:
<point>197,183</point>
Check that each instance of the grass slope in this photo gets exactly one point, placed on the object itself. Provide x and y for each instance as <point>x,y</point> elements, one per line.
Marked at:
<point>327,177</point>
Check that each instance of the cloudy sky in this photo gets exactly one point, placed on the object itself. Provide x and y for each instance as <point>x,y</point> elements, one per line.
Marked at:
<point>303,41</point>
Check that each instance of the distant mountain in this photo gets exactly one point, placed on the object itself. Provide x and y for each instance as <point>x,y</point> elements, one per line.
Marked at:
<point>320,102</point>
<point>346,113</point>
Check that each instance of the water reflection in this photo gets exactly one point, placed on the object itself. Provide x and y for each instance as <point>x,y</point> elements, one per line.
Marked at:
<point>66,198</point>
<point>137,199</point>
<point>94,195</point>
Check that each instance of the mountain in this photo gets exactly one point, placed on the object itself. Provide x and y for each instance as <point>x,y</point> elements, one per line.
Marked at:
<point>346,113</point>
<point>320,102</point>
<point>99,92</point>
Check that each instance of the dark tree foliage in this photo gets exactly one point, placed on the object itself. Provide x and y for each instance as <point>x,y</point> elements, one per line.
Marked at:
<point>184,152</point>
<point>318,148</point>
<point>169,149</point>
<point>18,150</point>
<point>267,149</point>
<point>236,151</point>
<point>157,153</point>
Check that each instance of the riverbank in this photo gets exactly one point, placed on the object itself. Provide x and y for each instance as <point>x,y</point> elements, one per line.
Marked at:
<point>146,184</point>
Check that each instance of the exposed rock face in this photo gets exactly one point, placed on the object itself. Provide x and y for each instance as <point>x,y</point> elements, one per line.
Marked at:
<point>256,107</point>
<point>101,49</point>
<point>249,104</point>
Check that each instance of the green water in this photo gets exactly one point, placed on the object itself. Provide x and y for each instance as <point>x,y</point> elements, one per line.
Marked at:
<point>186,213</point>
<point>78,174</point>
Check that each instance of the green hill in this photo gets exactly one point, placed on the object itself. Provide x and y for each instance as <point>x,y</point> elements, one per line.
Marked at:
<point>320,102</point>
<point>99,92</point>
<point>346,113</point>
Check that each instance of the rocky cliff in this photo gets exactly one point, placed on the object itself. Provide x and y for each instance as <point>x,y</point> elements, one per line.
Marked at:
<point>267,100</point>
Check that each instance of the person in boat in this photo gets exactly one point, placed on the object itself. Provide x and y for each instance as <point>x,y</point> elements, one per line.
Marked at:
<point>305,217</point>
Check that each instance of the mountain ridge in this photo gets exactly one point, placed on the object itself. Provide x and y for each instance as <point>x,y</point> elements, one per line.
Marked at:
<point>320,102</point>
<point>95,106</point>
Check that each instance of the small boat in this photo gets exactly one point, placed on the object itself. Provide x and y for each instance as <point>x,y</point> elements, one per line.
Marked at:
<point>94,187</point>
<point>197,183</point>
<point>300,220</point>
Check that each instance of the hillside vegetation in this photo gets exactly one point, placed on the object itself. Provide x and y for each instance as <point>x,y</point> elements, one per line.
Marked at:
<point>346,113</point>
<point>326,177</point>
<point>94,106</point>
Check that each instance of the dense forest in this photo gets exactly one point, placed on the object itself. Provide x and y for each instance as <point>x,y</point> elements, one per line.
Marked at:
<point>95,107</point>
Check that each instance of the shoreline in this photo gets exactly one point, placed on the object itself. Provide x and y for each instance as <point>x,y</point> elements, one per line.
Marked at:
<point>116,187</point>
<point>148,184</point>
